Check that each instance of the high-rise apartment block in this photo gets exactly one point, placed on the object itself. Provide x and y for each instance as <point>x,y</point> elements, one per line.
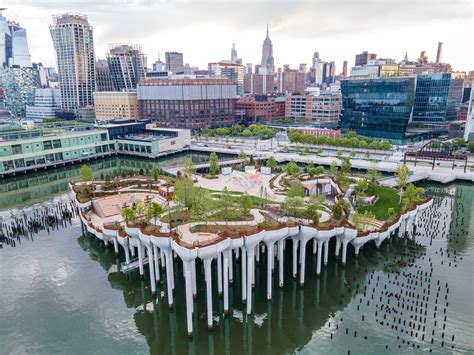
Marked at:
<point>103,77</point>
<point>291,81</point>
<point>188,103</point>
<point>127,65</point>
<point>259,84</point>
<point>174,62</point>
<point>73,41</point>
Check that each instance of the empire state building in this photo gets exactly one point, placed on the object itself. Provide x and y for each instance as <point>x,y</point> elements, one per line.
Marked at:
<point>267,65</point>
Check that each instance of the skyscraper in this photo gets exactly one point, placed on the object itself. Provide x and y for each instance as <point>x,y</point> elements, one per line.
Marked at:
<point>344,69</point>
<point>317,69</point>
<point>267,65</point>
<point>13,44</point>
<point>234,57</point>
<point>329,71</point>
<point>174,62</point>
<point>364,58</point>
<point>127,64</point>
<point>439,53</point>
<point>73,41</point>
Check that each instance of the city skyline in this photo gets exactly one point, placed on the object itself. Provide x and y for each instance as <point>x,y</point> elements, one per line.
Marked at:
<point>344,31</point>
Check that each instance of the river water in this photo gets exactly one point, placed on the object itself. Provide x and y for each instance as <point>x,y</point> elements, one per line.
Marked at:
<point>60,291</point>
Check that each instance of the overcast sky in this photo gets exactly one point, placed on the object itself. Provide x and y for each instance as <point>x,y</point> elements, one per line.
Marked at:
<point>205,30</point>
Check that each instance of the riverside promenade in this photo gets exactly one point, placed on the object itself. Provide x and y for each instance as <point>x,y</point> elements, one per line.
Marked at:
<point>441,174</point>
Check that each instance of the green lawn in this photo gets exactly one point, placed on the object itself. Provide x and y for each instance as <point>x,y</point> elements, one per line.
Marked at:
<point>387,197</point>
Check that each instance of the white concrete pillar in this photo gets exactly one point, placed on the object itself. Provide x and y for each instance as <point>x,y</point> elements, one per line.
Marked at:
<point>250,263</point>
<point>231,266</point>
<point>208,276</point>
<point>243,261</point>
<point>169,277</point>
<point>189,297</point>
<point>132,250</point>
<point>116,248</point>
<point>193,275</point>
<point>127,253</point>
<point>269,271</point>
<point>326,252</point>
<point>140,258</point>
<point>315,246</point>
<point>303,261</point>
<point>357,247</point>
<point>106,242</point>
<point>171,266</point>
<point>344,252</point>
<point>295,256</point>
<point>226,281</point>
<point>219,274</point>
<point>162,256</point>
<point>318,258</point>
<point>258,253</point>
<point>151,268</point>
<point>157,262</point>
<point>281,245</point>
<point>338,246</point>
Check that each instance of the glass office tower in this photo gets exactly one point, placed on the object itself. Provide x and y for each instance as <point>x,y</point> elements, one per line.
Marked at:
<point>437,98</point>
<point>377,107</point>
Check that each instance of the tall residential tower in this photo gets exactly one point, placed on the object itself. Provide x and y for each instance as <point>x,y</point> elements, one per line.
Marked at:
<point>127,65</point>
<point>73,41</point>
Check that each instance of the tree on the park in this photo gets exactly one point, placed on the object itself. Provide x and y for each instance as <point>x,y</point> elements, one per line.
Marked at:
<point>333,168</point>
<point>245,204</point>
<point>345,166</point>
<point>86,174</point>
<point>291,168</point>
<point>200,204</point>
<point>296,189</point>
<point>271,163</point>
<point>155,173</point>
<point>242,156</point>
<point>213,164</point>
<point>338,209</point>
<point>154,210</point>
<point>372,176</point>
<point>128,214</point>
<point>292,205</point>
<point>189,168</point>
<point>184,191</point>
<point>362,187</point>
<point>402,174</point>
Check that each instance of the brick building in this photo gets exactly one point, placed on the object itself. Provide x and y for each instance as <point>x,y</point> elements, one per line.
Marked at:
<point>188,103</point>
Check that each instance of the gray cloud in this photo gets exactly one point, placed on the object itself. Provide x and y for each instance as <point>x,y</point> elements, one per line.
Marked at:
<point>304,20</point>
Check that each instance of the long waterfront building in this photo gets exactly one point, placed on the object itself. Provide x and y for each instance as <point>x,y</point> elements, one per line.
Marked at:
<point>43,147</point>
